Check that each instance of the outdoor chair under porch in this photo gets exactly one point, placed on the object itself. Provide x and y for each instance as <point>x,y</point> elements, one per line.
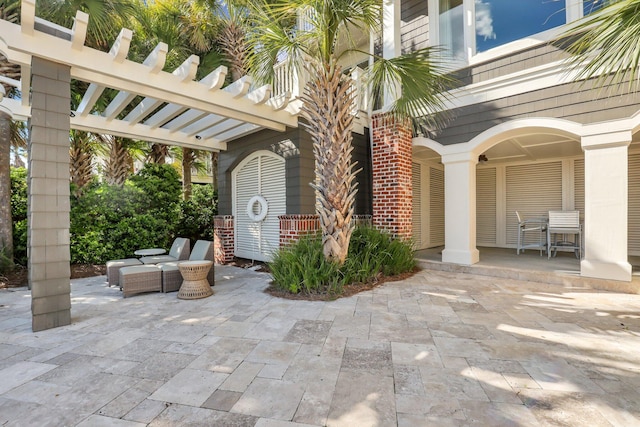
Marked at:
<point>564,223</point>
<point>529,226</point>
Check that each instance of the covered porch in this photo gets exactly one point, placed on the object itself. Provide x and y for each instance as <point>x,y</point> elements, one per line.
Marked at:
<point>563,269</point>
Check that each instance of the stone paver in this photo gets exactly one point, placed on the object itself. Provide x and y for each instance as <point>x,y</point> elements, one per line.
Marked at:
<point>437,349</point>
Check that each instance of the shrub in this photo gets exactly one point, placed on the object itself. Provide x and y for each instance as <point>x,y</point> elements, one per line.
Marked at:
<point>19,214</point>
<point>303,268</point>
<point>196,214</point>
<point>111,222</point>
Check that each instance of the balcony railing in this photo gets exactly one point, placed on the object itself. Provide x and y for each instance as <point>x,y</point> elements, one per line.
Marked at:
<point>290,80</point>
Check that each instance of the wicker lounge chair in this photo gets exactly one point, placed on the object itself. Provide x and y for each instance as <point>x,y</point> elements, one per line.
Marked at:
<point>179,251</point>
<point>171,277</point>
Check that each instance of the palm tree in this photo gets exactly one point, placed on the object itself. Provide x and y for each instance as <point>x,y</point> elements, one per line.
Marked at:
<point>329,95</point>
<point>606,43</point>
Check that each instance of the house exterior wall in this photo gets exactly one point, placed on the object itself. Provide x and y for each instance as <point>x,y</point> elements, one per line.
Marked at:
<point>295,147</point>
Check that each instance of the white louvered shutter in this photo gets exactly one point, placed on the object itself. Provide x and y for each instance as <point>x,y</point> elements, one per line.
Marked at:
<point>436,207</point>
<point>486,207</point>
<point>533,190</point>
<point>272,172</point>
<point>416,215</point>
<point>578,185</point>
<point>634,205</point>
<point>263,174</point>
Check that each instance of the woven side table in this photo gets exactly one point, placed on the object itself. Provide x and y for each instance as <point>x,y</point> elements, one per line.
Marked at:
<point>195,284</point>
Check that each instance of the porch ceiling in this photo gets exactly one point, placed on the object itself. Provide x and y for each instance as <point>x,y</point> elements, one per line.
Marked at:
<point>149,104</point>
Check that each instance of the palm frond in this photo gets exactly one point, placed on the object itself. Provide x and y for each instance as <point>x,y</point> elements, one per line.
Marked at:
<point>606,44</point>
<point>419,81</point>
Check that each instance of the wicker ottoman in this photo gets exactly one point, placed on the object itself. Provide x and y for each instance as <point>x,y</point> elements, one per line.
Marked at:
<point>138,279</point>
<point>171,277</point>
<point>114,266</point>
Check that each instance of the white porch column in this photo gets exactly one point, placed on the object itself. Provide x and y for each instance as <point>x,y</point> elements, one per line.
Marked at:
<point>391,46</point>
<point>606,201</point>
<point>460,209</point>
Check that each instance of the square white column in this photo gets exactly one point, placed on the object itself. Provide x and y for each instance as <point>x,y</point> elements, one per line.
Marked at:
<point>460,209</point>
<point>606,206</point>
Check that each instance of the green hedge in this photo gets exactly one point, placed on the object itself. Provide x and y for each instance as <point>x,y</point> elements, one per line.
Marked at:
<point>110,222</point>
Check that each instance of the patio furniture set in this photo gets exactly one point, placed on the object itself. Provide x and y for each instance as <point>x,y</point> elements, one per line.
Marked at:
<point>155,271</point>
<point>551,233</point>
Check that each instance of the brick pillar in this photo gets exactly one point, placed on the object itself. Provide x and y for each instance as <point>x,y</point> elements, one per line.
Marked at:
<point>292,227</point>
<point>223,239</point>
<point>392,187</point>
<point>48,200</point>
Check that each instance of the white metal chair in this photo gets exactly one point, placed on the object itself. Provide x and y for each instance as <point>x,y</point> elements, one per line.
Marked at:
<point>531,225</point>
<point>564,223</point>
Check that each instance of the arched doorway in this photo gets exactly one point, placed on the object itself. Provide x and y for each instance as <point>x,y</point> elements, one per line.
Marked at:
<point>259,197</point>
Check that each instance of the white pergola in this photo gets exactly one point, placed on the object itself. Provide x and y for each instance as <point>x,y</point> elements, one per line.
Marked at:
<point>150,105</point>
<point>164,107</point>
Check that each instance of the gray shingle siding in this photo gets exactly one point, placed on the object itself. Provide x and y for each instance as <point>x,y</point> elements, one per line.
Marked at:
<point>296,147</point>
<point>578,102</point>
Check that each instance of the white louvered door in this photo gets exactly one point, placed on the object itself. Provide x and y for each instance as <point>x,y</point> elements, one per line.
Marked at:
<point>532,190</point>
<point>261,174</point>
<point>486,207</point>
<point>634,205</point>
<point>436,207</point>
<point>416,214</point>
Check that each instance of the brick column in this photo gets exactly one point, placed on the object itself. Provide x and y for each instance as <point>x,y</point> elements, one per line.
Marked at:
<point>292,227</point>
<point>223,239</point>
<point>48,200</point>
<point>392,187</point>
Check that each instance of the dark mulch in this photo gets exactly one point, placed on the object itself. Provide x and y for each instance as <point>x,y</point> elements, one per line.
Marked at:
<point>20,275</point>
<point>349,290</point>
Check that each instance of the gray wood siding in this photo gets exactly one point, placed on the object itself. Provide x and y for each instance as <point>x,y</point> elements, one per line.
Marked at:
<point>296,148</point>
<point>579,102</point>
<point>414,25</point>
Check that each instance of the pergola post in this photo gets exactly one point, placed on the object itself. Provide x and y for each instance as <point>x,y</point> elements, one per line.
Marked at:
<point>48,196</point>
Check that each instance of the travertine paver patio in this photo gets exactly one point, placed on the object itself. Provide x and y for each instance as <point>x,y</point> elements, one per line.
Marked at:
<point>438,349</point>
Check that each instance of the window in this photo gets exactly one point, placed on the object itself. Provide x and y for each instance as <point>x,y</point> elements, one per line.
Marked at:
<point>466,28</point>
<point>451,27</point>
<point>502,21</point>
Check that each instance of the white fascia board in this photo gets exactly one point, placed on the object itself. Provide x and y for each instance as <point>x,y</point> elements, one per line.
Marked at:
<point>99,124</point>
<point>98,67</point>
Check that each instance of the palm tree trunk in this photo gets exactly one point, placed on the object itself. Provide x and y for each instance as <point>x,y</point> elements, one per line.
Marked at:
<point>118,166</point>
<point>6,224</point>
<point>158,153</point>
<point>81,166</point>
<point>187,163</point>
<point>328,102</point>
<point>214,170</point>
<point>234,46</point>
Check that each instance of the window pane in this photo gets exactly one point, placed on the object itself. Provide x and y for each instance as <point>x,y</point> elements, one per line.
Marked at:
<point>502,21</point>
<point>591,6</point>
<point>452,27</point>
